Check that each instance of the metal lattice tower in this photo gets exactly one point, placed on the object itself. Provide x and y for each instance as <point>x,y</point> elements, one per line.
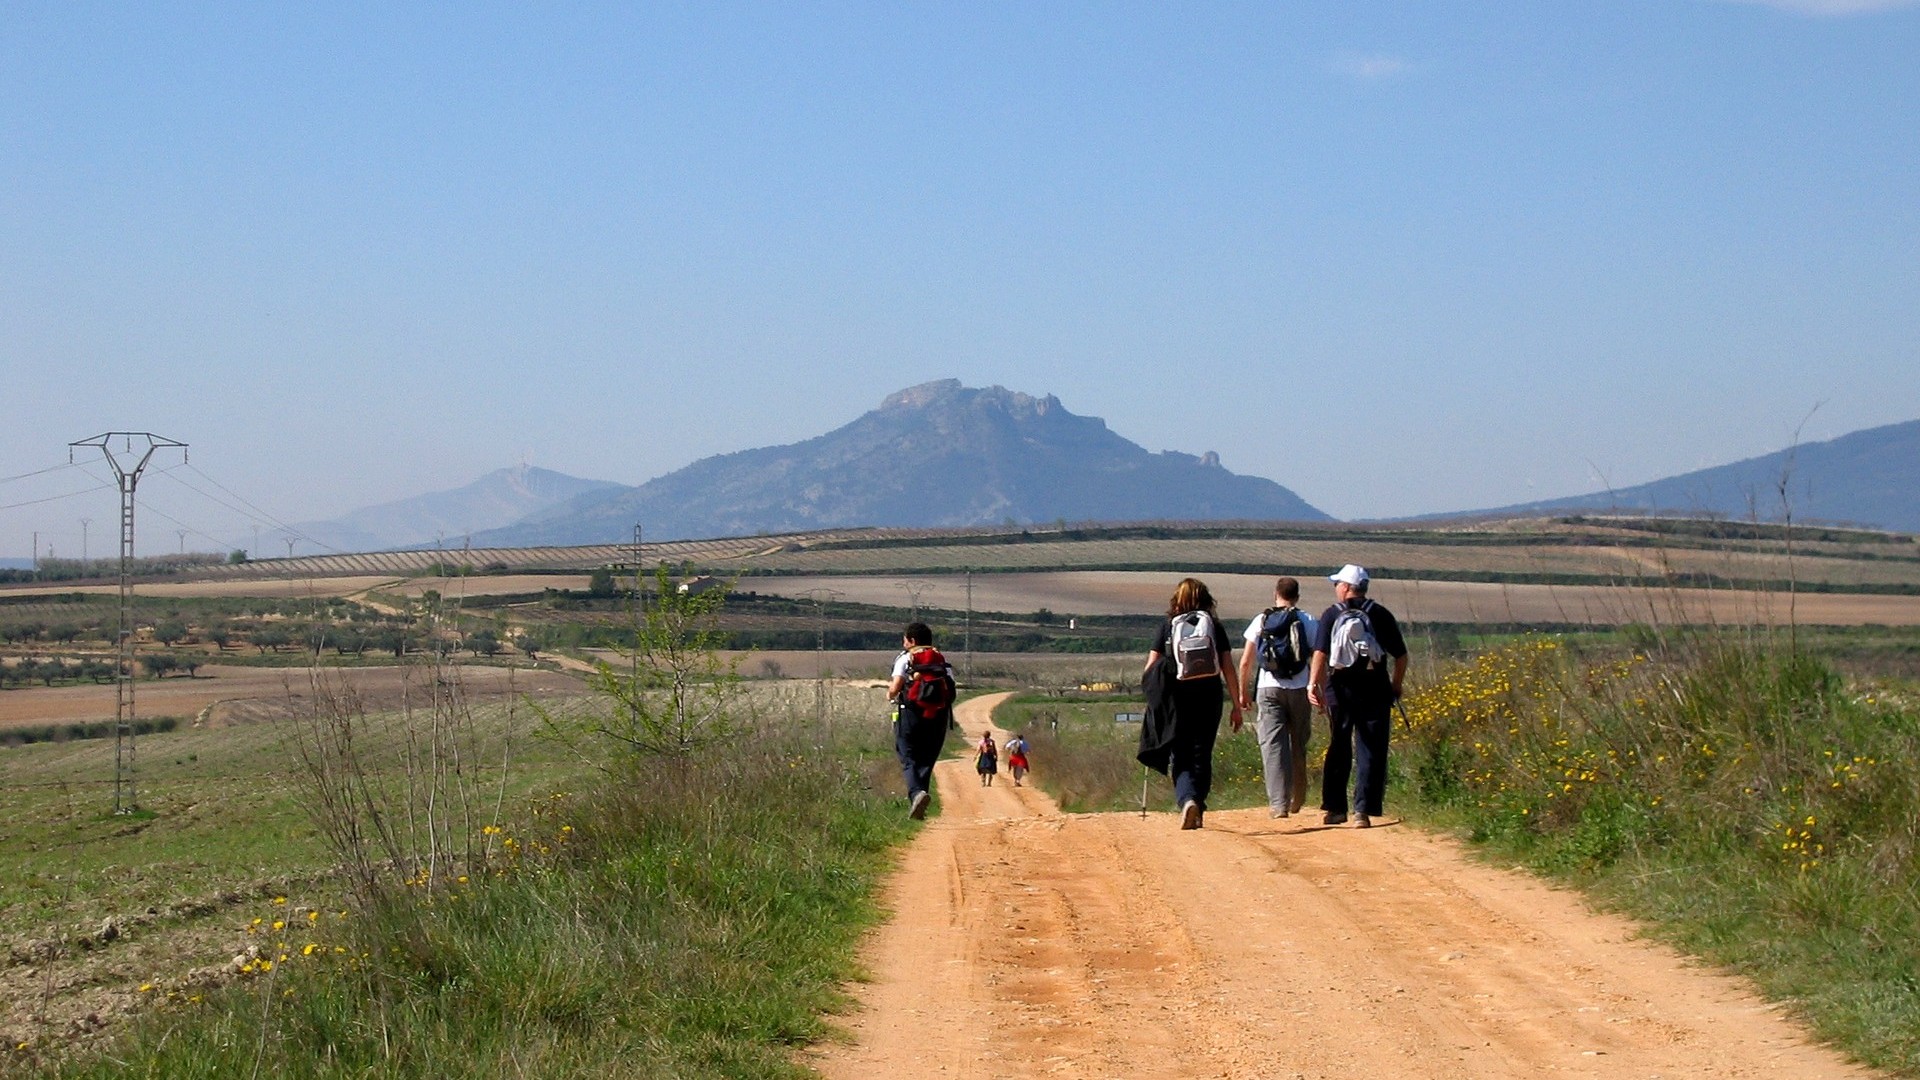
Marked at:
<point>136,447</point>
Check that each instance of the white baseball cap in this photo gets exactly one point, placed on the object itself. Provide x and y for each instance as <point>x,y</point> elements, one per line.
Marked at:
<point>1350,574</point>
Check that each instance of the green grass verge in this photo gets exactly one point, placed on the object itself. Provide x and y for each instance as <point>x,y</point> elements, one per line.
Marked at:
<point>694,918</point>
<point>1755,807</point>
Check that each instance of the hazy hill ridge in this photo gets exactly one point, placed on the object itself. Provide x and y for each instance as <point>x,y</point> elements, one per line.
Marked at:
<point>937,454</point>
<point>1869,477</point>
<point>499,498</point>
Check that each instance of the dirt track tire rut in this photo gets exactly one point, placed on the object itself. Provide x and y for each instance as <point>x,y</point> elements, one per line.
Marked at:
<point>1030,943</point>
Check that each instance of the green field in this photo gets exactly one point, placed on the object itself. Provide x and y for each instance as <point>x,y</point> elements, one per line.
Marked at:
<point>126,927</point>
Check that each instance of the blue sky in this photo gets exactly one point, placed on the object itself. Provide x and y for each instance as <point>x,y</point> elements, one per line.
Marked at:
<point>360,252</point>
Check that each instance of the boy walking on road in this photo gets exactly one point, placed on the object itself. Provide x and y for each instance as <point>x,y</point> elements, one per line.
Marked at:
<point>1279,644</point>
<point>1356,642</point>
<point>922,692</point>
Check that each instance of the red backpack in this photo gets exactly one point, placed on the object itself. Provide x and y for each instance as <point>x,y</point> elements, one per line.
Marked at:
<point>929,687</point>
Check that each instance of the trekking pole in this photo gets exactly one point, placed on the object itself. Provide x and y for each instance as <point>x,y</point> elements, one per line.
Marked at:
<point>1403,714</point>
<point>1143,791</point>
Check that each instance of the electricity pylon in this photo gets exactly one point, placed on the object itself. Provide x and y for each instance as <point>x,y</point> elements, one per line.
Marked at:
<point>136,447</point>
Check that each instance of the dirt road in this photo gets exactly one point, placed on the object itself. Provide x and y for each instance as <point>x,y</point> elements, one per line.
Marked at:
<point>1029,943</point>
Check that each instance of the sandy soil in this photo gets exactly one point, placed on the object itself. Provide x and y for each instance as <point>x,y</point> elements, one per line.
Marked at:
<point>1028,943</point>
<point>1122,592</point>
<point>217,689</point>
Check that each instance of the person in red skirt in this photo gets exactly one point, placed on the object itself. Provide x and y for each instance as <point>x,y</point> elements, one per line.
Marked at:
<point>1017,758</point>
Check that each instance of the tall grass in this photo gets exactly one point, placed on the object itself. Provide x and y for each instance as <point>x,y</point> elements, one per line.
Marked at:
<point>693,918</point>
<point>1758,807</point>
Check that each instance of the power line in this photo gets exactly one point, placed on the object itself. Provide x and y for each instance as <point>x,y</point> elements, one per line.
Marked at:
<point>248,510</point>
<point>55,498</point>
<point>151,509</point>
<point>264,516</point>
<point>37,472</point>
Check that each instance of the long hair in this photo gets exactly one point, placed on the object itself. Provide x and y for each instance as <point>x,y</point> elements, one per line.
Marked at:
<point>1190,595</point>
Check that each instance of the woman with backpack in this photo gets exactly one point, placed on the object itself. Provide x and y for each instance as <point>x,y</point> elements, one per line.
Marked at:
<point>1198,677</point>
<point>1017,758</point>
<point>988,762</point>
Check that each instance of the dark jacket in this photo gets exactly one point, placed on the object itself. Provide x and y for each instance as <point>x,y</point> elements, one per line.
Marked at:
<point>1156,727</point>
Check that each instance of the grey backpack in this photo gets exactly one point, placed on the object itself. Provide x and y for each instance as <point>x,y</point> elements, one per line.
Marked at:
<point>1351,643</point>
<point>1194,654</point>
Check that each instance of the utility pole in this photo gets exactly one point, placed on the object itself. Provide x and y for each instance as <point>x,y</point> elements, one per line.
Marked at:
<point>291,540</point>
<point>136,447</point>
<point>640,615</point>
<point>969,625</point>
<point>818,596</point>
<point>182,533</point>
<point>36,552</point>
<point>915,590</point>
<point>84,522</point>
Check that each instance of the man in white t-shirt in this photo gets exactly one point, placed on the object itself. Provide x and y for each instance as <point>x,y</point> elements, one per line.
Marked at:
<point>1281,636</point>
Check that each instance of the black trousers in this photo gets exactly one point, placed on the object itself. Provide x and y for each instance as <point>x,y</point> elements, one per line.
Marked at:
<point>1196,725</point>
<point>1362,720</point>
<point>917,742</point>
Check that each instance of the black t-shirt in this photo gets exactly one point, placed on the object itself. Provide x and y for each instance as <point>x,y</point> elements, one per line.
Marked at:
<point>1386,630</point>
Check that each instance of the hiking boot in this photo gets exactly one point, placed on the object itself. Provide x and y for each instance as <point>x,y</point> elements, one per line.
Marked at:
<point>1278,812</point>
<point>1334,817</point>
<point>918,810</point>
<point>1362,821</point>
<point>1190,815</point>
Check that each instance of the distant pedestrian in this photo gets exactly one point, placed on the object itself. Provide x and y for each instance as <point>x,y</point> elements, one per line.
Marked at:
<point>1359,670</point>
<point>1279,646</point>
<point>1017,758</point>
<point>987,762</point>
<point>1189,675</point>
<point>922,694</point>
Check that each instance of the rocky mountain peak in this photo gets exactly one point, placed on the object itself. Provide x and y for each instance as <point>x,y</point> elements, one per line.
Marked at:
<point>923,395</point>
<point>951,394</point>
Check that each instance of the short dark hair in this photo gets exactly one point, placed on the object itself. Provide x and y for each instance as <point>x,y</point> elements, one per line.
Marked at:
<point>1287,589</point>
<point>919,633</point>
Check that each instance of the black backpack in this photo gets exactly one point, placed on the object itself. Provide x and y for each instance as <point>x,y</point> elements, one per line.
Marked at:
<point>1282,647</point>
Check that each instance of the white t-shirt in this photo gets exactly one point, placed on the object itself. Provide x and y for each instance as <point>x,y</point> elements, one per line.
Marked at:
<point>1267,680</point>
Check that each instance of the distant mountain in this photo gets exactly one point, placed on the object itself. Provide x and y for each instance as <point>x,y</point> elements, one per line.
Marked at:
<point>938,454</point>
<point>499,498</point>
<point>1869,478</point>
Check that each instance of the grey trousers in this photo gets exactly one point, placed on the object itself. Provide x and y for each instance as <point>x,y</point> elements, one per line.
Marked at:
<point>1285,725</point>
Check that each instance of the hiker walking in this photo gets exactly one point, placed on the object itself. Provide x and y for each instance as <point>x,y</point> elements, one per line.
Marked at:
<point>1017,758</point>
<point>1279,645</point>
<point>988,761</point>
<point>922,692</point>
<point>1189,675</point>
<point>1359,667</point>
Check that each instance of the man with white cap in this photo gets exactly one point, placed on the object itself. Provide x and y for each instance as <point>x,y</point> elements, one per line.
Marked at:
<point>1355,644</point>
